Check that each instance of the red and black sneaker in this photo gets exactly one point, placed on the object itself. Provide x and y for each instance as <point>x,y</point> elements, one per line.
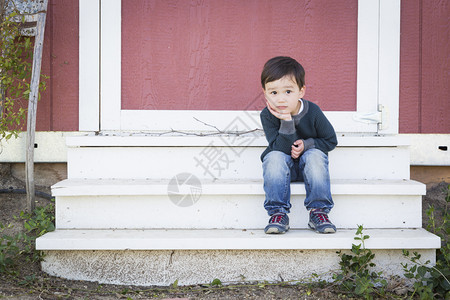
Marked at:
<point>278,223</point>
<point>319,221</point>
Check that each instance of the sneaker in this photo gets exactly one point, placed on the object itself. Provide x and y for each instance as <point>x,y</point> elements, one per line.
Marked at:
<point>278,223</point>
<point>318,221</point>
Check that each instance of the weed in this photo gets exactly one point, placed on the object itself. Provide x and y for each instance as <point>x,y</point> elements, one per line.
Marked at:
<point>432,281</point>
<point>216,282</point>
<point>12,247</point>
<point>16,52</point>
<point>355,274</point>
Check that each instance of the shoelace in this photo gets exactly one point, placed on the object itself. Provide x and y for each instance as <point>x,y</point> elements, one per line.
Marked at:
<point>276,218</point>
<point>320,216</point>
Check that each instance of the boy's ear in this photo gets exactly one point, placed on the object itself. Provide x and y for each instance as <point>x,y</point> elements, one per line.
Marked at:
<point>302,91</point>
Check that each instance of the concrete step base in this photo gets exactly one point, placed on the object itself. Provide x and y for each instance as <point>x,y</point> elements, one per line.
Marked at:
<point>160,257</point>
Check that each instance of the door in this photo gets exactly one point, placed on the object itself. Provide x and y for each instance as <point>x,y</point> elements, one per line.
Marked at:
<point>145,84</point>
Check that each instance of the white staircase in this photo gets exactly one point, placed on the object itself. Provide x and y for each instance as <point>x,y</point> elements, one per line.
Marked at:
<point>149,210</point>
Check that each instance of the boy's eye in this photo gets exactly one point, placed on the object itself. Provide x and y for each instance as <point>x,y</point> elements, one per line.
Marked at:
<point>273,93</point>
<point>288,91</point>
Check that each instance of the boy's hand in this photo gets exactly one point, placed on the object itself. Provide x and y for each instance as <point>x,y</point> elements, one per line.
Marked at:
<point>282,115</point>
<point>297,148</point>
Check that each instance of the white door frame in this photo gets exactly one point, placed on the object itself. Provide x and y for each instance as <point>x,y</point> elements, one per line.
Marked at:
<point>378,65</point>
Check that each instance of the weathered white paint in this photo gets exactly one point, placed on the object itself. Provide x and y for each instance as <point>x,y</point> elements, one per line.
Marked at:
<point>223,162</point>
<point>89,65</point>
<point>425,149</point>
<point>51,147</point>
<point>378,26</point>
<point>389,63</point>
<point>215,239</point>
<point>110,63</point>
<point>227,203</point>
<point>188,267</point>
<point>254,139</point>
<point>139,187</point>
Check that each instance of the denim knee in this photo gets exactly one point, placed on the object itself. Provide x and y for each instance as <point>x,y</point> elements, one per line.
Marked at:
<point>276,164</point>
<point>314,164</point>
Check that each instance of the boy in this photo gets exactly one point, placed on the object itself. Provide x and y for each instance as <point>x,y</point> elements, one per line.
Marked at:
<point>300,137</point>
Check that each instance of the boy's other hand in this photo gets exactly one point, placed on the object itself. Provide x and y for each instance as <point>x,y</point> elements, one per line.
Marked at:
<point>278,114</point>
<point>297,148</point>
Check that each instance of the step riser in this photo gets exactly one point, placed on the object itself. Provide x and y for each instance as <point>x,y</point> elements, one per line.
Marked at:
<point>225,162</point>
<point>163,268</point>
<point>227,212</point>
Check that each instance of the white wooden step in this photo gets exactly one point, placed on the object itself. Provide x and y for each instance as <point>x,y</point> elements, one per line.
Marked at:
<point>232,240</point>
<point>223,157</point>
<point>227,204</point>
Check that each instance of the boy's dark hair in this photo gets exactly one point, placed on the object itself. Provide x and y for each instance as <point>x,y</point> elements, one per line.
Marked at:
<point>280,66</point>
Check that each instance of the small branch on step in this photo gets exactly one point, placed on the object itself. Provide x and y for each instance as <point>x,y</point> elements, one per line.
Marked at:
<point>208,125</point>
<point>237,133</point>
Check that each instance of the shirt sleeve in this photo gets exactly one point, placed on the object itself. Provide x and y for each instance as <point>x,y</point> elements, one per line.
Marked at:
<point>280,134</point>
<point>326,139</point>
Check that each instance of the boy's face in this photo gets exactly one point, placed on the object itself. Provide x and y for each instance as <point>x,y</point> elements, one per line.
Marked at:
<point>283,94</point>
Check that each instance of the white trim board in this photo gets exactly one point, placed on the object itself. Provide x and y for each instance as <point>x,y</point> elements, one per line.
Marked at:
<point>377,76</point>
<point>429,149</point>
<point>52,146</point>
<point>89,65</point>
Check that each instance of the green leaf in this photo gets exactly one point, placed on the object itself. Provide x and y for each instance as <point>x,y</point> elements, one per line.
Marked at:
<point>175,284</point>
<point>216,282</point>
<point>422,271</point>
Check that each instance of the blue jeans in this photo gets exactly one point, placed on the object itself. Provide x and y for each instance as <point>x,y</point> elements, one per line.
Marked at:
<point>279,170</point>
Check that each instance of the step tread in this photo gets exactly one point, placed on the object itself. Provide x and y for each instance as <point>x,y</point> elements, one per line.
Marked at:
<point>226,239</point>
<point>257,140</point>
<point>78,187</point>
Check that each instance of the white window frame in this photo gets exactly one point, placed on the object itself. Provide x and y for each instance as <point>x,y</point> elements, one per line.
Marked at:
<point>378,66</point>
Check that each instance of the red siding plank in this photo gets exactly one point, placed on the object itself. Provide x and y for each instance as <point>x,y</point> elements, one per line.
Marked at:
<point>435,104</point>
<point>410,80</point>
<point>424,67</point>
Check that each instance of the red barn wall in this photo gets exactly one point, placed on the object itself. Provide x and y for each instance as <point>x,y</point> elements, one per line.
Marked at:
<point>424,61</point>
<point>425,67</point>
<point>58,107</point>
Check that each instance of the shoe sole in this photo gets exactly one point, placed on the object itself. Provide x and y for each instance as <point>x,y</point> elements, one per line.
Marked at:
<point>326,230</point>
<point>274,229</point>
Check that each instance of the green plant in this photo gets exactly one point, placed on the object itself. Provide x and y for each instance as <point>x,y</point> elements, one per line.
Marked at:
<point>12,247</point>
<point>15,70</point>
<point>432,281</point>
<point>356,275</point>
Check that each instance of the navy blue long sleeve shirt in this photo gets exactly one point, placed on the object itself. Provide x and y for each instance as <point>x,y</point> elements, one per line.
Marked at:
<point>310,125</point>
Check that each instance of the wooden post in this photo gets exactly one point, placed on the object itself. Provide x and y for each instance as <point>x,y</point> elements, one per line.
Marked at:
<point>32,107</point>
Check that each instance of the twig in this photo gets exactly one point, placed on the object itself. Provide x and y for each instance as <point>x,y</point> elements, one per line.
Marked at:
<point>208,125</point>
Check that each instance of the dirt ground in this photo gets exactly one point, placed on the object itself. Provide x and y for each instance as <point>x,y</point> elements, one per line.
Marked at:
<point>31,283</point>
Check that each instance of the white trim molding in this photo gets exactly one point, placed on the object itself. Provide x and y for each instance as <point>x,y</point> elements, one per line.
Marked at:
<point>89,65</point>
<point>50,147</point>
<point>429,149</point>
<point>425,149</point>
<point>377,77</point>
